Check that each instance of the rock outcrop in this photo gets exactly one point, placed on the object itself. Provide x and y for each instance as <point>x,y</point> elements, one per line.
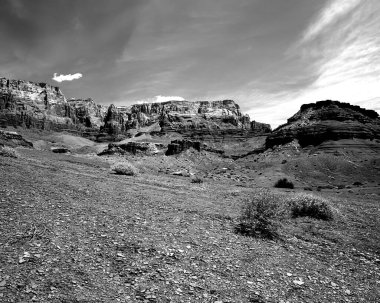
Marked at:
<point>178,146</point>
<point>327,120</point>
<point>135,148</point>
<point>13,139</point>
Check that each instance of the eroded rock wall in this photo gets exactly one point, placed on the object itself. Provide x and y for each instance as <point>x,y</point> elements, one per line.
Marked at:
<point>327,120</point>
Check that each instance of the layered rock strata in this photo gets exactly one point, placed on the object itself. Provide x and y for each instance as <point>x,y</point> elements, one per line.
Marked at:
<point>13,139</point>
<point>318,122</point>
<point>42,106</point>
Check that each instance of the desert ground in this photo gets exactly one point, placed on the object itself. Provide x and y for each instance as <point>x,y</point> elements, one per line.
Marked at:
<point>72,230</point>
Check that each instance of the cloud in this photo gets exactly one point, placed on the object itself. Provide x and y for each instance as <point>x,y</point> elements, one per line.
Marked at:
<point>168,98</point>
<point>159,99</point>
<point>332,12</point>
<point>68,77</point>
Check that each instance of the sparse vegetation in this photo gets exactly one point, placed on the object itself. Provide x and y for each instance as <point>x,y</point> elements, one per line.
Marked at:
<point>197,180</point>
<point>6,151</point>
<point>284,183</point>
<point>306,205</point>
<point>124,168</point>
<point>260,215</point>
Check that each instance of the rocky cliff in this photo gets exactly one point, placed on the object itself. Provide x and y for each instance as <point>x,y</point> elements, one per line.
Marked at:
<point>42,106</point>
<point>39,105</point>
<point>318,122</point>
<point>202,119</point>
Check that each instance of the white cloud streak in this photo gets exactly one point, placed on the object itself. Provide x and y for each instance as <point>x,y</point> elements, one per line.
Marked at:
<point>334,10</point>
<point>68,77</point>
<point>344,61</point>
<point>160,99</point>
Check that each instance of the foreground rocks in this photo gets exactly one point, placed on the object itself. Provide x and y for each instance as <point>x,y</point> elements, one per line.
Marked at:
<point>327,120</point>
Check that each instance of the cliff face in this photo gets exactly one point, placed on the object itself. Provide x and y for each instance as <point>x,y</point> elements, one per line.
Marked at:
<point>42,106</point>
<point>39,105</point>
<point>327,120</point>
<point>181,116</point>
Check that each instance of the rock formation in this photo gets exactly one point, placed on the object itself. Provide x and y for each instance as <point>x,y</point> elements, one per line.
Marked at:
<point>178,146</point>
<point>42,106</point>
<point>13,139</point>
<point>327,120</point>
<point>200,120</point>
<point>144,148</point>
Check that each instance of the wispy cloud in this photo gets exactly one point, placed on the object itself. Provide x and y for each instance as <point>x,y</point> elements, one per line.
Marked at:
<point>333,11</point>
<point>341,53</point>
<point>68,77</point>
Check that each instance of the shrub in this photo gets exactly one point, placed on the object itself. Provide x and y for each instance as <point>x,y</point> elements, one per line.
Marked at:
<point>284,183</point>
<point>306,205</point>
<point>260,216</point>
<point>197,180</point>
<point>124,168</point>
<point>6,151</point>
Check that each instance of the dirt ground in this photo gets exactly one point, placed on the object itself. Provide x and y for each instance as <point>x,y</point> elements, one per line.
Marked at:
<point>73,231</point>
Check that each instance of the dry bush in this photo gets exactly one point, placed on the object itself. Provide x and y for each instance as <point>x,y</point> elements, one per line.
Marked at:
<point>197,180</point>
<point>261,215</point>
<point>124,168</point>
<point>6,151</point>
<point>284,183</point>
<point>306,205</point>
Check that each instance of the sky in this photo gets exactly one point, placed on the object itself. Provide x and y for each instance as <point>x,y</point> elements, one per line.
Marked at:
<point>270,56</point>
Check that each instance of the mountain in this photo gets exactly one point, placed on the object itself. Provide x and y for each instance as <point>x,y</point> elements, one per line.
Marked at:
<point>322,121</point>
<point>42,106</point>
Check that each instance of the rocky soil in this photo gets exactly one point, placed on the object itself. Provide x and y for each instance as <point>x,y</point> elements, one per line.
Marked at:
<point>73,231</point>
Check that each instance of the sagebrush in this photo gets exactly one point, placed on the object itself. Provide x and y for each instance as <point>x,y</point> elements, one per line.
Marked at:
<point>284,183</point>
<point>197,180</point>
<point>306,205</point>
<point>124,168</point>
<point>261,215</point>
<point>6,151</point>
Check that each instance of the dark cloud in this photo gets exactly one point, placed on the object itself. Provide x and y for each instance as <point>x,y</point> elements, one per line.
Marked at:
<point>46,36</point>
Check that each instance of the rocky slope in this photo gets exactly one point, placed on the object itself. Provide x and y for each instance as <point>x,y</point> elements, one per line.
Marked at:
<point>39,105</point>
<point>327,120</point>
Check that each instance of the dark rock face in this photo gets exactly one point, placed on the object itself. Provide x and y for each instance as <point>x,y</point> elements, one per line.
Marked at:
<point>327,120</point>
<point>134,148</point>
<point>60,150</point>
<point>178,146</point>
<point>88,112</point>
<point>13,139</point>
